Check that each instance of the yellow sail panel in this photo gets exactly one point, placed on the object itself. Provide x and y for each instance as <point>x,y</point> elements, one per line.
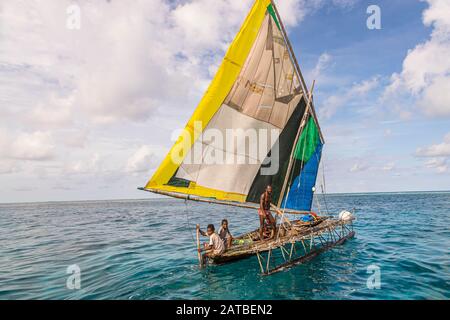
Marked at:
<point>200,191</point>
<point>215,95</point>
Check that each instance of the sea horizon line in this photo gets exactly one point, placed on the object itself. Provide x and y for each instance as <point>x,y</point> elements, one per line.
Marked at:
<point>159,197</point>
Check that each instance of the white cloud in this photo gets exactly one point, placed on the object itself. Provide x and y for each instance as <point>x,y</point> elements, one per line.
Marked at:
<point>75,138</point>
<point>196,24</point>
<point>426,68</point>
<point>8,166</point>
<point>119,66</point>
<point>322,64</point>
<point>389,166</point>
<point>440,164</point>
<point>293,11</point>
<point>142,160</point>
<point>436,150</point>
<point>439,154</point>
<point>331,105</point>
<point>91,166</point>
<point>436,97</point>
<point>36,146</point>
<point>56,112</point>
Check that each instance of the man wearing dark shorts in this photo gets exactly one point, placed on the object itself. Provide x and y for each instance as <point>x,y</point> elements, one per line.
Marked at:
<point>264,212</point>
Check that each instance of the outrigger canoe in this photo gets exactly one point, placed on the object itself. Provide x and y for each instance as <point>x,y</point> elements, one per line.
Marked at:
<point>260,99</point>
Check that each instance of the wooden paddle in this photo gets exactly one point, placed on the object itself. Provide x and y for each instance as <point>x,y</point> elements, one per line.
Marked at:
<point>200,259</point>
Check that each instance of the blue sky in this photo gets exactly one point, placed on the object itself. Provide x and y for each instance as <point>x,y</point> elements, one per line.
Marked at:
<point>88,112</point>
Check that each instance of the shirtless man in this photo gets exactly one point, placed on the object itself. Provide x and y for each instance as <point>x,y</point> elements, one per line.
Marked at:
<point>264,212</point>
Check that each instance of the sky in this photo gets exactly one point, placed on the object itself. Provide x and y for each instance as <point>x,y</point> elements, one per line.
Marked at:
<point>93,92</point>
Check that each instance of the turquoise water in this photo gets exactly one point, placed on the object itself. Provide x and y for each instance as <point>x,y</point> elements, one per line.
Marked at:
<point>145,249</point>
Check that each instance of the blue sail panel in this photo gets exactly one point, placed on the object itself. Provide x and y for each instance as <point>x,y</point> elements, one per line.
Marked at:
<point>301,193</point>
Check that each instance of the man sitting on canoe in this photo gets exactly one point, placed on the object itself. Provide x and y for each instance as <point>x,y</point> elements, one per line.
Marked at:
<point>264,212</point>
<point>216,246</point>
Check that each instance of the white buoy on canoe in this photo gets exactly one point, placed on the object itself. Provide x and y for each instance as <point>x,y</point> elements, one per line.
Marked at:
<point>345,215</point>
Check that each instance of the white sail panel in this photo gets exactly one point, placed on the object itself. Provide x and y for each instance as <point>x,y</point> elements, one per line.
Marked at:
<point>233,177</point>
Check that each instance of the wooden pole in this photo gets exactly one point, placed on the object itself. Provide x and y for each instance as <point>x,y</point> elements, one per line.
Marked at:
<point>291,158</point>
<point>297,67</point>
<point>259,260</point>
<point>268,259</point>
<point>200,260</point>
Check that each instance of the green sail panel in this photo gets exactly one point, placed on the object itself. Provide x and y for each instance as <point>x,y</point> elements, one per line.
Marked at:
<point>307,142</point>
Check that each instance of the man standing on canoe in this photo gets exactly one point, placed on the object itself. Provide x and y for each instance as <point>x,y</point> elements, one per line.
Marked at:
<point>264,212</point>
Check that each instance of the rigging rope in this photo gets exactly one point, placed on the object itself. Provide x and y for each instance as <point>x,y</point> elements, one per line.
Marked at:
<point>323,187</point>
<point>188,222</point>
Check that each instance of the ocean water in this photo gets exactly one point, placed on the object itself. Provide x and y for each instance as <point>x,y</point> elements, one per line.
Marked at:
<point>145,249</point>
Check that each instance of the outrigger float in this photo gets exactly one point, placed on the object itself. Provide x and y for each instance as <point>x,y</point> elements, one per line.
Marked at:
<point>259,86</point>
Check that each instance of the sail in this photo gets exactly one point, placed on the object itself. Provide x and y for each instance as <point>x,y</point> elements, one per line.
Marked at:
<point>257,94</point>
